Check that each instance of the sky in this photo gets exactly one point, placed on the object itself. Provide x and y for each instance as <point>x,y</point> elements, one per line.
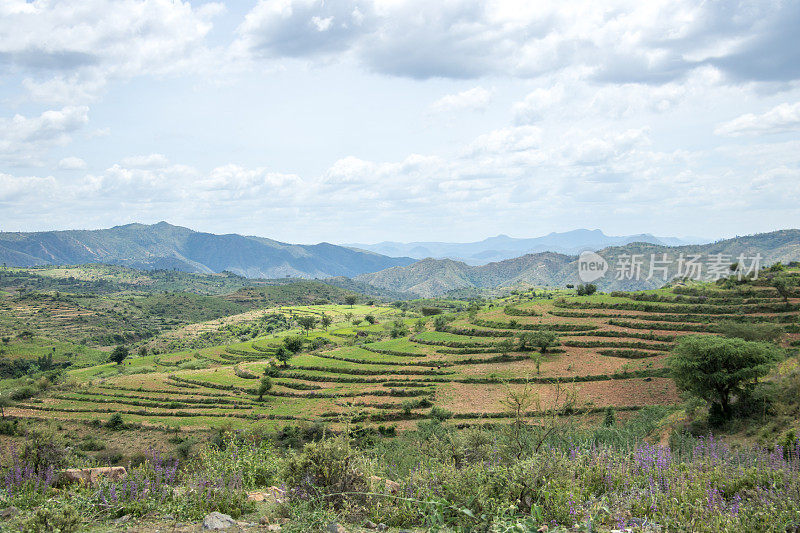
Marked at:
<point>407,120</point>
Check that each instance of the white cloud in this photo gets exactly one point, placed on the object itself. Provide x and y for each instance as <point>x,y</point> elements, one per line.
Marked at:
<point>68,50</point>
<point>506,140</point>
<point>622,41</point>
<point>536,103</point>
<point>24,188</point>
<point>145,161</point>
<point>780,119</point>
<point>475,99</point>
<point>23,140</point>
<point>72,163</point>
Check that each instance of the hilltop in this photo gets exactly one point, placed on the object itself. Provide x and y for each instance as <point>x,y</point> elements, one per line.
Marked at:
<point>167,247</point>
<point>432,277</point>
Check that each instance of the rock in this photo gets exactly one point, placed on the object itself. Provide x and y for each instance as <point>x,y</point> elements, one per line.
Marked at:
<point>91,476</point>
<point>274,527</point>
<point>122,519</point>
<point>217,520</point>
<point>333,527</point>
<point>9,512</point>
<point>370,525</point>
<point>271,495</point>
<point>382,527</point>
<point>392,486</point>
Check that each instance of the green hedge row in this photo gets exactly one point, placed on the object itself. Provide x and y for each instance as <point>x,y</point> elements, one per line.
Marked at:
<point>689,318</point>
<point>510,310</point>
<point>394,363</point>
<point>529,327</point>
<point>618,344</point>
<point>628,354</point>
<point>681,308</point>
<point>383,351</point>
<point>703,328</point>
<point>369,372</point>
<point>627,334</point>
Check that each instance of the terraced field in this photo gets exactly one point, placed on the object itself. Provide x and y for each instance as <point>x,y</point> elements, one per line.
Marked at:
<point>611,352</point>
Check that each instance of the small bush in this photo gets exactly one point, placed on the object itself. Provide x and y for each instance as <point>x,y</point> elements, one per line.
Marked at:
<point>115,422</point>
<point>91,445</point>
<point>42,450</point>
<point>23,393</point>
<point>9,427</point>
<point>324,468</point>
<point>56,517</point>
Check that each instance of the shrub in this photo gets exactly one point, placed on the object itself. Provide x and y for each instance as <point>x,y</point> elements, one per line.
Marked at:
<point>42,450</point>
<point>89,444</point>
<point>115,422</point>
<point>328,467</point>
<point>9,427</point>
<point>22,393</point>
<point>56,517</point>
<point>439,413</point>
<point>252,458</point>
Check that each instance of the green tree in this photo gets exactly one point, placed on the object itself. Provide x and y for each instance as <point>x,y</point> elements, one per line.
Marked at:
<point>720,370</point>
<point>307,322</point>
<point>326,321</point>
<point>542,339</point>
<point>536,357</point>
<point>293,343</point>
<point>351,299</point>
<point>370,318</point>
<point>283,354</point>
<point>398,329</point>
<point>419,325</point>
<point>5,403</point>
<point>119,354</point>
<point>586,289</point>
<point>506,345</point>
<point>783,289</point>
<point>264,387</point>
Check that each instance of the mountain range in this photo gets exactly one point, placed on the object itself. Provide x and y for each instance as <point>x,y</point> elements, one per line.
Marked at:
<point>434,277</point>
<point>164,246</point>
<point>504,247</point>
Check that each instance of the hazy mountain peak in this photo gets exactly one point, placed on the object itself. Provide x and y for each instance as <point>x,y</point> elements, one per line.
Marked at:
<point>504,247</point>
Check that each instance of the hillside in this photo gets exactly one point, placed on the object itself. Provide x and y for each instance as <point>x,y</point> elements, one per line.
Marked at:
<point>168,247</point>
<point>108,304</point>
<point>504,247</point>
<point>433,277</point>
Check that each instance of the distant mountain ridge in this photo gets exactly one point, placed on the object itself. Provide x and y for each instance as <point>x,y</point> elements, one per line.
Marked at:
<point>164,246</point>
<point>434,277</point>
<point>504,247</point>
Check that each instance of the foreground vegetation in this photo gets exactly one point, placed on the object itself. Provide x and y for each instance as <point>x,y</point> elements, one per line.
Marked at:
<point>507,478</point>
<point>568,408</point>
